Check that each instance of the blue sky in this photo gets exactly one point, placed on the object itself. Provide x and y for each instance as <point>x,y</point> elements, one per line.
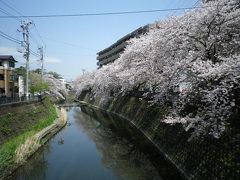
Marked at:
<point>72,42</point>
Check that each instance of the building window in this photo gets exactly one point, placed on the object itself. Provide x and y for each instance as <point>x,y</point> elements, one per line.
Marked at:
<point>12,78</point>
<point>11,64</point>
<point>1,77</point>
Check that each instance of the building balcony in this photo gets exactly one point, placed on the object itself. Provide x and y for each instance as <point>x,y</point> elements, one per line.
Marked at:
<point>115,50</point>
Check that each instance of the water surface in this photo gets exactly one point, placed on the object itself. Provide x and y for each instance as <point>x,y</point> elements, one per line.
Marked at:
<point>91,147</point>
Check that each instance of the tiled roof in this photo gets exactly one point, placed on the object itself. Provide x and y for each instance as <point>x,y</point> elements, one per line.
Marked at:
<point>7,57</point>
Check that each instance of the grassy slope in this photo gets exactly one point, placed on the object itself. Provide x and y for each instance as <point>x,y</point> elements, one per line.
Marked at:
<point>7,150</point>
<point>17,119</point>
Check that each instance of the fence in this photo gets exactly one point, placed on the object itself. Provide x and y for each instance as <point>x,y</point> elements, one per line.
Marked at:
<point>11,100</point>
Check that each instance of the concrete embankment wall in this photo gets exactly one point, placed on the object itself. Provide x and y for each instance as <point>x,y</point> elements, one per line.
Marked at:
<point>203,158</point>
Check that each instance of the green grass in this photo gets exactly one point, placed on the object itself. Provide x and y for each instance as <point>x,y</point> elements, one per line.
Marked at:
<point>7,150</point>
<point>5,124</point>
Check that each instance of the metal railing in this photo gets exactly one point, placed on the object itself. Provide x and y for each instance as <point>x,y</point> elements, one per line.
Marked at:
<point>12,100</point>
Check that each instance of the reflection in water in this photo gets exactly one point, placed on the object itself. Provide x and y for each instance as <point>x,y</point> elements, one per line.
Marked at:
<point>94,147</point>
<point>118,154</point>
<point>61,141</point>
<point>35,168</point>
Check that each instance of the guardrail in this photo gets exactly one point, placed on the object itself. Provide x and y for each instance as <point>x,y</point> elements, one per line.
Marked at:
<point>12,100</point>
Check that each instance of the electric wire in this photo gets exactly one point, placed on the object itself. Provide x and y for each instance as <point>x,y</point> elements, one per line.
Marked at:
<point>9,14</point>
<point>34,53</point>
<point>69,44</point>
<point>11,7</point>
<point>196,3</point>
<point>176,4</point>
<point>101,14</point>
<point>15,40</point>
<point>33,38</point>
<point>9,39</point>
<point>20,20</point>
<point>6,36</point>
<point>39,35</point>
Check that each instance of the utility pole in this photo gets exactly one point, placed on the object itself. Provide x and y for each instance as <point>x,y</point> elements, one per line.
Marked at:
<point>25,31</point>
<point>41,60</point>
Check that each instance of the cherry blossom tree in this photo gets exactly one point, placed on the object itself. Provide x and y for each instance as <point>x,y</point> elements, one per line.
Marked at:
<point>56,88</point>
<point>199,51</point>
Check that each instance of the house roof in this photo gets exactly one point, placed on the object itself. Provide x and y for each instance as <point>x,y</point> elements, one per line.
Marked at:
<point>7,58</point>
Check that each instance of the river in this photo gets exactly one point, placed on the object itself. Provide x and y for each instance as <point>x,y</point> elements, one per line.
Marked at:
<point>92,147</point>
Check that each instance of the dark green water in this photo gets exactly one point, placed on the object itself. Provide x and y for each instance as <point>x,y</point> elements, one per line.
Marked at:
<point>91,147</point>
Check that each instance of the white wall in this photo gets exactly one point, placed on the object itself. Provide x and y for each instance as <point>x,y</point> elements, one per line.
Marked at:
<point>21,86</point>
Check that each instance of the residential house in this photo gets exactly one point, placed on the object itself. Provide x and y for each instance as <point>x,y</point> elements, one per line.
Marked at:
<point>8,80</point>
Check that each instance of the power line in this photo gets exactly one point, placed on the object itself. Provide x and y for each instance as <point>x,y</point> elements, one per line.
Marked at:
<point>15,40</point>
<point>34,53</point>
<point>9,14</point>
<point>26,35</point>
<point>10,7</point>
<point>39,35</point>
<point>69,44</point>
<point>196,3</point>
<point>33,38</point>
<point>20,20</point>
<point>100,14</point>
<point>175,5</point>
<point>6,36</point>
<point>9,39</point>
<point>180,3</point>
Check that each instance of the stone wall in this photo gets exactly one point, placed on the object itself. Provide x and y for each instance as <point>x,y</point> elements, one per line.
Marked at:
<point>203,158</point>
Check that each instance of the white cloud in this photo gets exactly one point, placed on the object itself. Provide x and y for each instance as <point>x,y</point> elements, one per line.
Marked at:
<point>9,51</point>
<point>52,60</point>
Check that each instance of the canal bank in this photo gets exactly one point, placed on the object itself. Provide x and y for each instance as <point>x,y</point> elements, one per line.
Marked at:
<point>37,122</point>
<point>202,158</point>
